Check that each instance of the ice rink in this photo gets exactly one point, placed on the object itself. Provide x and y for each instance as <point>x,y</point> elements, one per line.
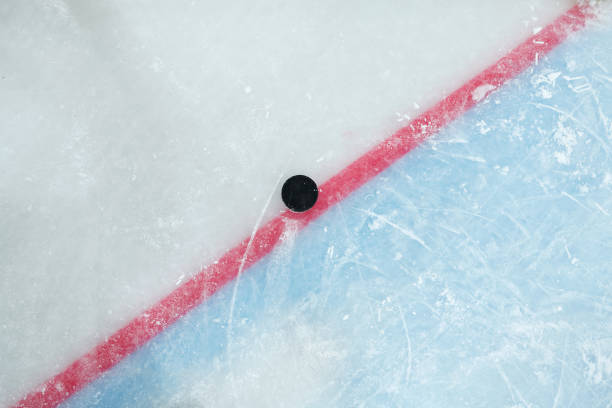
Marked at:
<point>460,253</point>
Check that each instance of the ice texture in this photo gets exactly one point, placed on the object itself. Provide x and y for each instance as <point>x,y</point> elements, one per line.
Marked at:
<point>473,272</point>
<point>141,139</point>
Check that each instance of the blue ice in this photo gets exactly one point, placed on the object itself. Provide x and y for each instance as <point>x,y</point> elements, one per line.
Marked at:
<point>473,272</point>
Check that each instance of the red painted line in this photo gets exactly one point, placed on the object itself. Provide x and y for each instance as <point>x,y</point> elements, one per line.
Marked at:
<point>193,292</point>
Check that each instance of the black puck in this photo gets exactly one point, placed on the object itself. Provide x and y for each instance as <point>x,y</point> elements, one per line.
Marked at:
<point>300,193</point>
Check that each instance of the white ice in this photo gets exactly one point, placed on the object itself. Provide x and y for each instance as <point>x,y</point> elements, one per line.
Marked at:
<point>139,140</point>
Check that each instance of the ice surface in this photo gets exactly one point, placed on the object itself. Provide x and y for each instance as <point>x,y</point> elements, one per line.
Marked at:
<point>140,140</point>
<point>473,272</point>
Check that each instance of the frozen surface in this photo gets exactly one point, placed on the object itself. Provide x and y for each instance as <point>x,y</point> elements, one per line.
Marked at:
<point>141,139</point>
<point>473,272</point>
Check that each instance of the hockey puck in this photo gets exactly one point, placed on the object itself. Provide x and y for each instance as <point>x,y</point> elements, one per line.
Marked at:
<point>299,193</point>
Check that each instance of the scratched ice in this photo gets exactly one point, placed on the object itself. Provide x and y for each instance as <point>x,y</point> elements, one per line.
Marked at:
<point>139,140</point>
<point>474,272</point>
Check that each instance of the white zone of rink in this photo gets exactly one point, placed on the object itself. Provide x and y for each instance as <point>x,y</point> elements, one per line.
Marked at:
<point>140,140</point>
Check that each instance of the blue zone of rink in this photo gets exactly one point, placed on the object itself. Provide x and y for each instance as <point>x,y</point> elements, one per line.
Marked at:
<point>475,272</point>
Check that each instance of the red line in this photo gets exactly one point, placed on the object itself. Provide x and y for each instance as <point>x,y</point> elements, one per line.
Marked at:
<point>146,326</point>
